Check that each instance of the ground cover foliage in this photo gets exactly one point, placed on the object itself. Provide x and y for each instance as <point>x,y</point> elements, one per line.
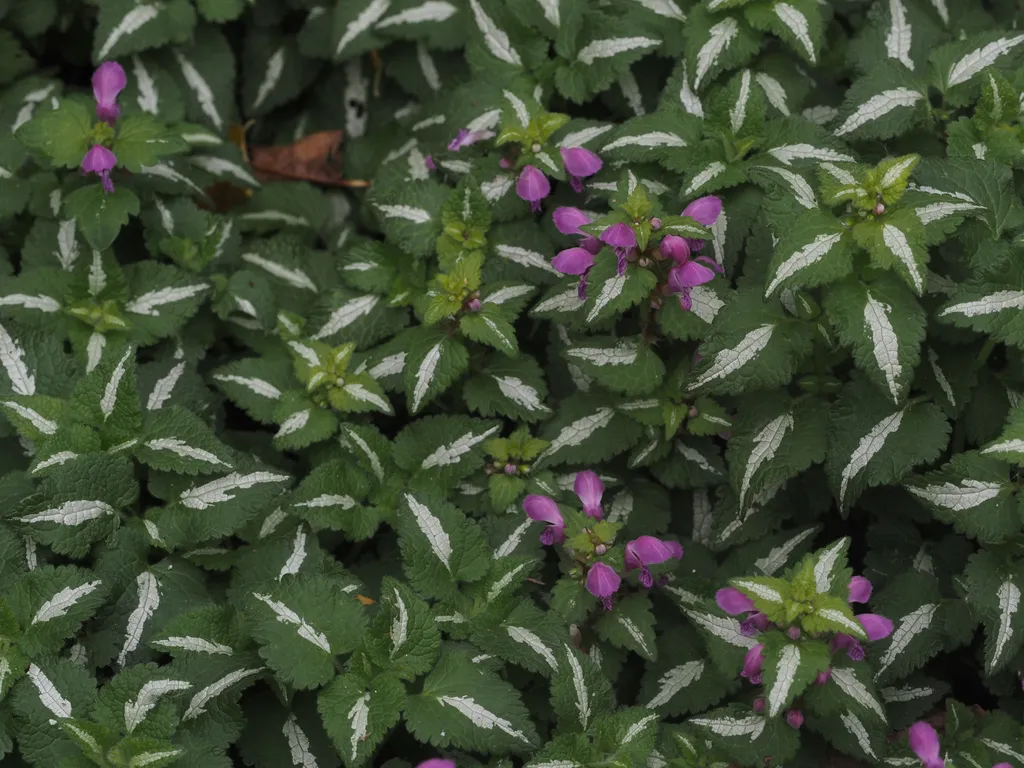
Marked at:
<point>650,397</point>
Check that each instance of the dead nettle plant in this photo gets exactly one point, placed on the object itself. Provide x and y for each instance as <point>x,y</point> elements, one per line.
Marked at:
<point>639,385</point>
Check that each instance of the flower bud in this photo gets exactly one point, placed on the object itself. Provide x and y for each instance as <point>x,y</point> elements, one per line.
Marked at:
<point>795,718</point>
<point>600,549</point>
<point>655,223</point>
<point>794,633</point>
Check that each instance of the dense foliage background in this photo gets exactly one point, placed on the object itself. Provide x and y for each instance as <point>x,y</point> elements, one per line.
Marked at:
<point>540,383</point>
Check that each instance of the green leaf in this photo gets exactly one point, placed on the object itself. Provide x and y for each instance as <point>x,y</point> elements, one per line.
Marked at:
<point>625,364</point>
<point>913,602</point>
<point>302,624</point>
<point>125,27</point>
<point>141,140</point>
<point>872,443</point>
<point>490,326</point>
<point>440,546</point>
<point>884,324</point>
<point>515,389</point>
<point>789,668</point>
<point>443,449</point>
<point>433,363</point>
<point>973,493</point>
<point>175,440</point>
<point>630,625</point>
<point>51,603</point>
<point>464,706</point>
<point>897,243</point>
<point>357,713</point>
<point>609,293</point>
<point>994,592</point>
<point>100,215</point>
<point>580,692</point>
<point>813,253</point>
<point>403,638</point>
<point>63,134</point>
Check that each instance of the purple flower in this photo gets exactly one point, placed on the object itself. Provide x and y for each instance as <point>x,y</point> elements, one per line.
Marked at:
<point>465,138</point>
<point>877,627</point>
<point>647,550</point>
<point>580,163</point>
<point>533,186</point>
<point>687,272</point>
<point>544,510</point>
<point>853,648</point>
<point>795,718</point>
<point>754,623</point>
<point>101,161</point>
<point>569,220</point>
<point>429,162</point>
<point>823,677</point>
<point>107,82</point>
<point>752,664</point>
<point>589,488</point>
<point>622,238</point>
<point>575,261</point>
<point>734,602</point>
<point>437,762</point>
<point>860,590</point>
<point>705,210</point>
<point>925,743</point>
<point>603,582</point>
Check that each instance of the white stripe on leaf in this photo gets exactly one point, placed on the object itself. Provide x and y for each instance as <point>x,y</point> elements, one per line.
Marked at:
<point>802,258</point>
<point>49,696</point>
<point>976,61</point>
<point>495,38</point>
<point>610,47</point>
<point>675,680</point>
<point>766,445</point>
<point>480,716</point>
<point>132,22</point>
<point>907,628</point>
<point>440,542</point>
<point>719,38</point>
<point>286,615</point>
<point>12,358</point>
<point>728,361</point>
<point>71,513</point>
<point>197,705</point>
<point>63,601</point>
<point>867,448</point>
<point>785,676</point>
<point>369,16</point>
<point>148,589</point>
<point>200,88</point>
<point>530,639</point>
<point>219,490</point>
<point>148,697</point>
<point>879,106</point>
<point>900,35</point>
<point>1009,602</point>
<point>885,343</point>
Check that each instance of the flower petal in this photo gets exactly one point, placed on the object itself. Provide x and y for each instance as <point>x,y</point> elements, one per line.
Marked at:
<point>532,185</point>
<point>704,209</point>
<point>877,627</point>
<point>860,590</point>
<point>542,509</point>
<point>925,743</point>
<point>619,236</point>
<point>573,261</point>
<point>437,762</point>
<point>648,550</point>
<point>589,488</point>
<point>753,660</point>
<point>98,159</point>
<point>580,162</point>
<point>568,220</point>
<point>675,247</point>
<point>733,602</point>
<point>108,81</point>
<point>602,580</point>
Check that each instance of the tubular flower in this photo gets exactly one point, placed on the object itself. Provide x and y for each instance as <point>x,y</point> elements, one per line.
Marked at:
<point>648,550</point>
<point>734,602</point>
<point>876,627</point>
<point>466,138</point>
<point>101,161</point>
<point>925,743</point>
<point>704,210</point>
<point>544,510</point>
<point>603,582</point>
<point>752,664</point>
<point>622,239</point>
<point>688,273</point>
<point>589,488</point>
<point>795,718</point>
<point>107,82</point>
<point>580,163</point>
<point>533,186</point>
<point>569,220</point>
<point>575,261</point>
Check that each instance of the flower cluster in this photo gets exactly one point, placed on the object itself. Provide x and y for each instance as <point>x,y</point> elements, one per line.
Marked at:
<point>108,81</point>
<point>684,270</point>
<point>735,603</point>
<point>601,579</point>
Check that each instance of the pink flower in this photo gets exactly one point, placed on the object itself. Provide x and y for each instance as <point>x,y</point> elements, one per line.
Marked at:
<point>101,161</point>
<point>752,664</point>
<point>603,582</point>
<point>795,718</point>
<point>107,82</point>
<point>429,162</point>
<point>589,488</point>
<point>466,138</point>
<point>533,186</point>
<point>437,762</point>
<point>569,220</point>
<point>734,602</point>
<point>575,261</point>
<point>877,627</point>
<point>648,550</point>
<point>689,271</point>
<point>544,510</point>
<point>580,163</point>
<point>925,743</point>
<point>823,677</point>
<point>860,590</point>
<point>622,239</point>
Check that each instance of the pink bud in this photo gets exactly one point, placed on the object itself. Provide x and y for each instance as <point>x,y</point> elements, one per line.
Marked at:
<point>655,223</point>
<point>693,413</point>
<point>795,718</point>
<point>759,704</point>
<point>600,549</point>
<point>879,209</point>
<point>823,677</point>
<point>510,469</point>
<point>473,305</point>
<point>794,633</point>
